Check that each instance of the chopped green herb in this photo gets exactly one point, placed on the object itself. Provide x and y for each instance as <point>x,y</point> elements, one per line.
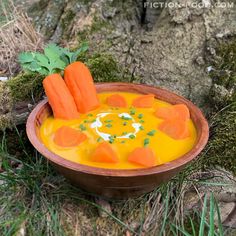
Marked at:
<point>123,141</point>
<point>108,125</point>
<point>140,116</point>
<point>90,114</point>
<point>146,142</point>
<point>132,136</point>
<point>132,111</point>
<point>141,121</point>
<point>111,139</point>
<point>124,133</point>
<point>125,123</point>
<point>151,133</point>
<point>141,127</point>
<point>126,118</point>
<point>86,121</point>
<point>82,127</point>
<point>99,139</point>
<point>108,121</point>
<point>93,120</point>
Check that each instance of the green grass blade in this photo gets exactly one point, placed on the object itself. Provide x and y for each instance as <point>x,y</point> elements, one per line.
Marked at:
<point>192,225</point>
<point>184,232</point>
<point>202,224</point>
<point>212,213</point>
<point>220,226</point>
<point>165,214</point>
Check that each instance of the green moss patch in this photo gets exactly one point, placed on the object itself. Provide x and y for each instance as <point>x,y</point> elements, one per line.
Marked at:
<point>223,73</point>
<point>26,86</point>
<point>222,149</point>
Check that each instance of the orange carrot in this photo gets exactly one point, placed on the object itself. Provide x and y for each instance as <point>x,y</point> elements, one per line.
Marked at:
<point>68,137</point>
<point>179,111</point>
<point>143,156</point>
<point>116,100</point>
<point>144,101</point>
<point>104,153</point>
<point>175,128</point>
<point>80,83</point>
<point>60,98</point>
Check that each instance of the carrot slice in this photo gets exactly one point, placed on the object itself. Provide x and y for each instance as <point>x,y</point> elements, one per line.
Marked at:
<point>144,101</point>
<point>116,100</point>
<point>80,83</point>
<point>176,128</point>
<point>143,156</point>
<point>68,137</point>
<point>59,97</point>
<point>179,111</point>
<point>104,153</point>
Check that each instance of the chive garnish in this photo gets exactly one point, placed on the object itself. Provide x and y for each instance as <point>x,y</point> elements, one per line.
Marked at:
<point>90,114</point>
<point>141,121</point>
<point>99,139</point>
<point>82,127</point>
<point>132,111</point>
<point>132,136</point>
<point>126,118</point>
<point>124,133</point>
<point>140,116</point>
<point>108,121</point>
<point>151,133</point>
<point>146,142</point>
<point>123,141</point>
<point>85,121</point>
<point>108,125</point>
<point>111,139</point>
<point>141,127</point>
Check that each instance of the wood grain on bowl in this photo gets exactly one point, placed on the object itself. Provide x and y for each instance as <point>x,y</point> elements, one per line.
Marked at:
<point>120,183</point>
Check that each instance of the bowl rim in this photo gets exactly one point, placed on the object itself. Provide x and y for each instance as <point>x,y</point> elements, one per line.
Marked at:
<point>177,163</point>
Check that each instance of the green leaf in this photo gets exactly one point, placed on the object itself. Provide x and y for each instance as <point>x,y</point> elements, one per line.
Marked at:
<point>25,57</point>
<point>42,59</point>
<point>82,49</point>
<point>52,51</point>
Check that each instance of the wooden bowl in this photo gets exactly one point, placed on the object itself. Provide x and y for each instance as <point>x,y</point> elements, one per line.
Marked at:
<point>112,183</point>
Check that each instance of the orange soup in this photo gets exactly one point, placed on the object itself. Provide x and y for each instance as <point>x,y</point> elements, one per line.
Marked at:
<point>124,129</point>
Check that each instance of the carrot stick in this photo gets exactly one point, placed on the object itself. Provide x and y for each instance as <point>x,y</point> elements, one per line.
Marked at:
<point>116,100</point>
<point>60,98</point>
<point>68,137</point>
<point>104,153</point>
<point>80,83</point>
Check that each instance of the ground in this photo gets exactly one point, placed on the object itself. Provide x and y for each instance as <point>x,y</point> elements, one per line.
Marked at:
<point>189,51</point>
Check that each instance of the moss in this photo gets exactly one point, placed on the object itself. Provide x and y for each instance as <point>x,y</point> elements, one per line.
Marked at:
<point>6,104</point>
<point>25,86</point>
<point>99,24</point>
<point>222,149</point>
<point>223,73</point>
<point>103,67</point>
<point>66,23</point>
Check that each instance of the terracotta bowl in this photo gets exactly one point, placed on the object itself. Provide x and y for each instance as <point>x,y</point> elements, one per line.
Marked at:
<point>119,184</point>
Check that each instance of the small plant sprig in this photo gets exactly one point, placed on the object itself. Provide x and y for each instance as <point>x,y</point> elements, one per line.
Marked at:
<point>53,60</point>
